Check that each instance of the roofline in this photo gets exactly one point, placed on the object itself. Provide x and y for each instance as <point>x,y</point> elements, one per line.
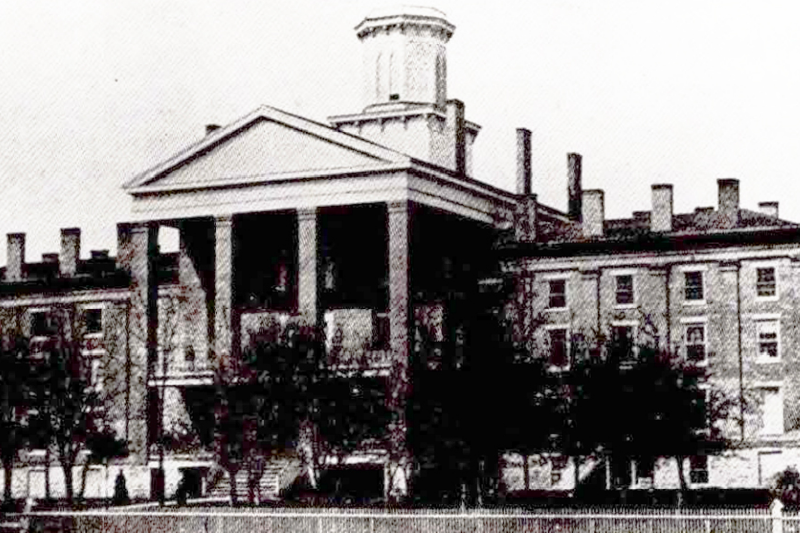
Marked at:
<point>212,139</point>
<point>654,241</point>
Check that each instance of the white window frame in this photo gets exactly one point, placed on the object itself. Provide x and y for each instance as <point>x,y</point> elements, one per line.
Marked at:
<point>557,277</point>
<point>760,321</point>
<point>703,284</point>
<point>616,274</point>
<point>774,267</point>
<point>565,327</point>
<point>772,385</point>
<point>687,323</point>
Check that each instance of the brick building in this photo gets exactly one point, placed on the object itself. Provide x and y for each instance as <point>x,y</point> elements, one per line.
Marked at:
<point>359,226</point>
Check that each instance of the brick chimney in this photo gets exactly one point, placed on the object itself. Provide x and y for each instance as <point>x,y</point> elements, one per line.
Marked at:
<point>211,128</point>
<point>70,251</point>
<point>592,213</point>
<point>768,208</point>
<point>456,132</point>
<point>523,161</point>
<point>574,195</point>
<point>661,216</point>
<point>729,201</point>
<point>15,257</point>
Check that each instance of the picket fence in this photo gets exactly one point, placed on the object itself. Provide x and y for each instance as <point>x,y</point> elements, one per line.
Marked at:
<point>222,520</point>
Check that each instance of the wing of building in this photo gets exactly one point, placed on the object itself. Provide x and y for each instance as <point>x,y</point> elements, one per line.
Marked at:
<point>366,222</point>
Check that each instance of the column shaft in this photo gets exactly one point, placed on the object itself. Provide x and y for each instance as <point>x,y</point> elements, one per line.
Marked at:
<point>307,282</point>
<point>225,329</point>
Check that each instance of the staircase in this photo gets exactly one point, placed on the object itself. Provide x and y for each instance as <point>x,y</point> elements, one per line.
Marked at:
<point>278,474</point>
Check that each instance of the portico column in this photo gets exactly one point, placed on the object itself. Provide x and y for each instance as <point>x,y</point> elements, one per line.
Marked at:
<point>399,329</point>
<point>307,280</point>
<point>140,248</point>
<point>225,328</point>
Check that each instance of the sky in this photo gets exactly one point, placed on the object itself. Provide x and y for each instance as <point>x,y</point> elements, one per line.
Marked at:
<point>648,91</point>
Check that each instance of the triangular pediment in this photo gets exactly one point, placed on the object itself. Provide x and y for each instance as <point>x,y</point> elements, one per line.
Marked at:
<point>266,145</point>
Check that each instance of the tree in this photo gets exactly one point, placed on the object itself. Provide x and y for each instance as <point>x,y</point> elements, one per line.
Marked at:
<point>14,367</point>
<point>478,403</point>
<point>653,405</point>
<point>102,447</point>
<point>68,401</point>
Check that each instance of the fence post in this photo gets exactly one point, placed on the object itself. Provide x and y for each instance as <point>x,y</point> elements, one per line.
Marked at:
<point>776,510</point>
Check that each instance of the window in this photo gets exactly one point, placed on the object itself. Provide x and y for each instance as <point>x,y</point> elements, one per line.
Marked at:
<point>93,320</point>
<point>693,286</point>
<point>558,294</point>
<point>623,342</point>
<point>695,343</point>
<point>559,348</point>
<point>624,292</point>
<point>772,411</point>
<point>766,285</point>
<point>767,338</point>
<point>698,469</point>
<point>41,324</point>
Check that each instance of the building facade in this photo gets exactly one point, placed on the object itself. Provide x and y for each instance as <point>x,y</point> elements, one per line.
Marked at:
<point>359,226</point>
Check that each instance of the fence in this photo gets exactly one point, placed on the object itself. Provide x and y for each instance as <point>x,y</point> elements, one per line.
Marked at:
<point>431,521</point>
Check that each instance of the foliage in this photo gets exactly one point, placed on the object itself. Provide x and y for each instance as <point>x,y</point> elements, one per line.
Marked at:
<point>786,487</point>
<point>14,369</point>
<point>286,383</point>
<point>69,404</point>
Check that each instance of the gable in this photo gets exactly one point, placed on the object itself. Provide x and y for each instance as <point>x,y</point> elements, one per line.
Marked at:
<point>266,144</point>
<point>262,150</point>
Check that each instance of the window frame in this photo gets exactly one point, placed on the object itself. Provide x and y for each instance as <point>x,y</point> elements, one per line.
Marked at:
<point>760,321</point>
<point>693,323</point>
<point>694,301</point>
<point>550,295</point>
<point>624,274</point>
<point>549,329</point>
<point>776,293</point>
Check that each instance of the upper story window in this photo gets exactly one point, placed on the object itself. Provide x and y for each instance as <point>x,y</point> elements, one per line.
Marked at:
<point>766,282</point>
<point>559,348</point>
<point>41,324</point>
<point>624,290</point>
<point>693,286</point>
<point>558,294</point>
<point>768,340</point>
<point>93,321</point>
<point>695,343</point>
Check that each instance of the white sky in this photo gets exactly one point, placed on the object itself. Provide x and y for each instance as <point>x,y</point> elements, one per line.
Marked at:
<point>679,91</point>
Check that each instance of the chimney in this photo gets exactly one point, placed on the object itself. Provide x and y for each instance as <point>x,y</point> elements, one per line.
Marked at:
<point>70,251</point>
<point>729,201</point>
<point>592,213</point>
<point>768,208</point>
<point>574,186</point>
<point>661,217</point>
<point>211,128</point>
<point>15,257</point>
<point>124,246</point>
<point>523,161</point>
<point>525,220</point>
<point>456,130</point>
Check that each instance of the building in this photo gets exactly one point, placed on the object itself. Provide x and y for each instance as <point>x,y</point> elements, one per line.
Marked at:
<point>717,285</point>
<point>358,226</point>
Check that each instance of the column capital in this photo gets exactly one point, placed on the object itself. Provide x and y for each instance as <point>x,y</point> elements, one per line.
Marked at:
<point>398,206</point>
<point>306,213</point>
<point>223,220</point>
<point>729,266</point>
